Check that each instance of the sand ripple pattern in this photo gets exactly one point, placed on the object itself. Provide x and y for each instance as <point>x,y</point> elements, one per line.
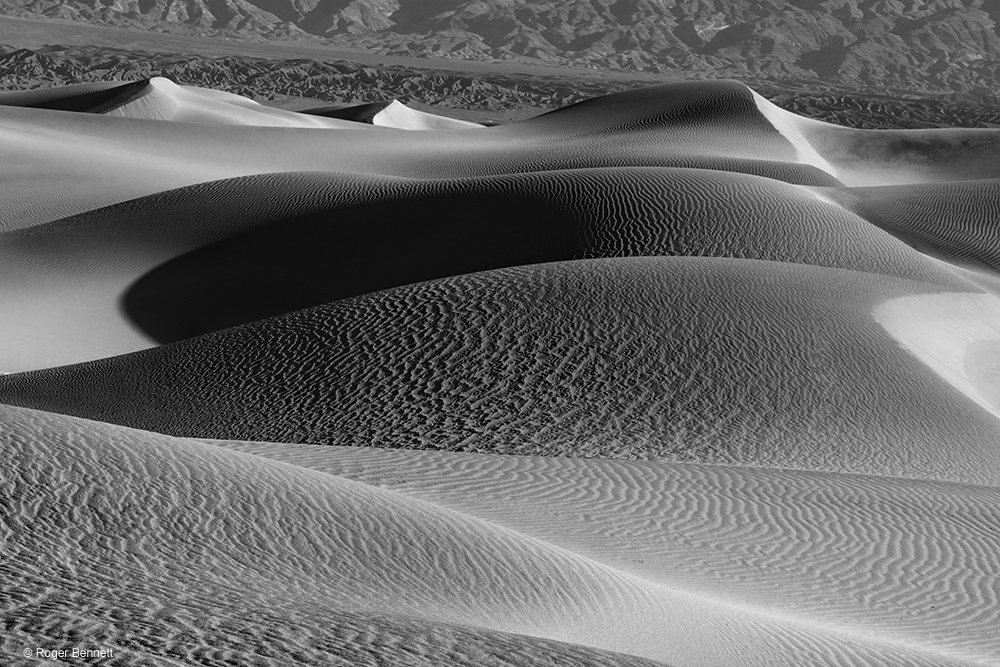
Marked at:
<point>201,554</point>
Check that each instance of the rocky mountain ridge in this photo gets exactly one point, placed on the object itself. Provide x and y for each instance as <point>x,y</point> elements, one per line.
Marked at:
<point>494,96</point>
<point>933,46</point>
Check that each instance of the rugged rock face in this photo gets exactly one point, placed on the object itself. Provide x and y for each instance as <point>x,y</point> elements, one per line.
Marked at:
<point>886,45</point>
<point>492,95</point>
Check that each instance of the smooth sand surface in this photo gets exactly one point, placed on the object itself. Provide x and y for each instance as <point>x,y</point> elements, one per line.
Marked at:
<point>721,384</point>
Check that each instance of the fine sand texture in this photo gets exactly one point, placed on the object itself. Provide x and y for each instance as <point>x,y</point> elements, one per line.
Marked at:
<point>667,377</point>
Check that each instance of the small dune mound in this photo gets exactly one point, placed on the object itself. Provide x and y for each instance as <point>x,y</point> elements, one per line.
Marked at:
<point>359,113</point>
<point>95,97</point>
<point>398,115</point>
<point>162,99</point>
<point>392,113</point>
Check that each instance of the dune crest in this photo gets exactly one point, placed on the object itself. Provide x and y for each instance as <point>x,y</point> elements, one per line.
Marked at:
<point>398,115</point>
<point>162,99</point>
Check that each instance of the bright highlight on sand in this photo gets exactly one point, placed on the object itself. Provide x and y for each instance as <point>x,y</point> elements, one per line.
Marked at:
<point>667,377</point>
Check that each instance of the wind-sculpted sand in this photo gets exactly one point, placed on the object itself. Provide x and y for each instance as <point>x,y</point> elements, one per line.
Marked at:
<point>721,384</point>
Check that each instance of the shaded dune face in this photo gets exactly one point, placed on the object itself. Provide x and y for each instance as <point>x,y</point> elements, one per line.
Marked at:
<point>84,98</point>
<point>955,222</point>
<point>391,233</point>
<point>302,568</point>
<point>722,360</point>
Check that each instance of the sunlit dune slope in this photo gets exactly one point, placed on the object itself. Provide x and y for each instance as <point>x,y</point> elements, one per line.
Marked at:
<point>206,257</point>
<point>789,542</point>
<point>704,359</point>
<point>186,551</point>
<point>199,553</point>
<point>392,113</point>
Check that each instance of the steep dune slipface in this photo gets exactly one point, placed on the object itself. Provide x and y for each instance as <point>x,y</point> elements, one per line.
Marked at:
<point>83,97</point>
<point>703,359</point>
<point>398,115</point>
<point>392,113</point>
<point>888,157</point>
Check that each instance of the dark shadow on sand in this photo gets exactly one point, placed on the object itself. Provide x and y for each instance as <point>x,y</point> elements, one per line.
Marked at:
<point>308,260</point>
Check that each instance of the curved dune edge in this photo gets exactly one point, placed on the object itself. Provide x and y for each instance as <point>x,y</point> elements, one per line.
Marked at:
<point>162,99</point>
<point>236,531</point>
<point>955,222</point>
<point>190,261</point>
<point>653,357</point>
<point>746,537</point>
<point>955,335</point>
<point>789,125</point>
<point>398,115</point>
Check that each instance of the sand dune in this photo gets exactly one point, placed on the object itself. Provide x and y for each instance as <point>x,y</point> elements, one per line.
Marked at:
<point>81,161</point>
<point>203,258</point>
<point>705,359</point>
<point>721,383</point>
<point>765,540</point>
<point>955,222</point>
<point>162,99</point>
<point>706,125</point>
<point>301,548</point>
<point>82,97</point>
<point>392,113</point>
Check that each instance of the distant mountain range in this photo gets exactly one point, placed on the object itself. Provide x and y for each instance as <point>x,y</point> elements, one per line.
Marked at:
<point>490,95</point>
<point>937,46</point>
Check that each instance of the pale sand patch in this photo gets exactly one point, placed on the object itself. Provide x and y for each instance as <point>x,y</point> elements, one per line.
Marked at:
<point>790,126</point>
<point>402,117</point>
<point>956,335</point>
